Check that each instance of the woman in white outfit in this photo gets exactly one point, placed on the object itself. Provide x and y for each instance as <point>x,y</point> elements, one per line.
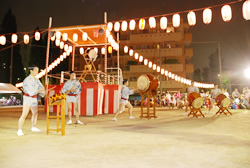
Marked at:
<point>31,86</point>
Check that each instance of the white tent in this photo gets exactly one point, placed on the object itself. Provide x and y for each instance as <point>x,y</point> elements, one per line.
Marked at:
<point>9,88</point>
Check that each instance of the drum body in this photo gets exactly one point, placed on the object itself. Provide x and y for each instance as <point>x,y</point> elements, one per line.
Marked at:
<point>147,82</point>
<point>195,100</point>
<point>222,100</point>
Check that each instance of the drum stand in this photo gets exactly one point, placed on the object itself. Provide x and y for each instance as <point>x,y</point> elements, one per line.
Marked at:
<point>88,68</point>
<point>148,114</point>
<point>222,110</point>
<point>194,112</point>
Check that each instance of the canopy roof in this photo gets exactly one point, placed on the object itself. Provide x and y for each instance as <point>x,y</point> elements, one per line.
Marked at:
<point>8,88</point>
<point>96,34</point>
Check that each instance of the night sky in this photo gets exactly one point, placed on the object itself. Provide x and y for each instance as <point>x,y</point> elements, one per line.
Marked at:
<point>233,36</point>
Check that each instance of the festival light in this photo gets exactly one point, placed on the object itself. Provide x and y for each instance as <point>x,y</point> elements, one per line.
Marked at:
<point>103,50</point>
<point>176,20</point>
<point>191,17</point>
<point>145,62</point>
<point>166,73</point>
<point>75,37</point>
<point>14,38</point>
<point>96,50</point>
<point>163,23</point>
<point>117,27</point>
<point>142,24</point>
<point>57,42</point>
<point>84,36</point>
<point>162,71</point>
<point>246,10</point>
<point>37,36</point>
<point>65,37</point>
<point>53,38</point>
<point>2,40</point>
<point>110,49</point>
<point>124,25</point>
<point>70,49</point>
<point>81,51</point>
<point>61,45</point>
<point>152,22</point>
<point>150,64</point>
<point>154,67</point>
<point>141,58</point>
<point>131,52</point>
<point>66,47</point>
<point>125,49</point>
<point>136,55</point>
<point>158,68</point>
<point>132,24</point>
<point>110,26</point>
<point>26,39</point>
<point>207,16</point>
<point>226,13</point>
<point>58,35</point>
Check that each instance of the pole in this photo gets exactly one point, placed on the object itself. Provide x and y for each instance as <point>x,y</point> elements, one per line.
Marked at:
<point>47,56</point>
<point>158,47</point>
<point>73,58</point>
<point>220,66</point>
<point>11,63</point>
<point>106,55</point>
<point>118,58</point>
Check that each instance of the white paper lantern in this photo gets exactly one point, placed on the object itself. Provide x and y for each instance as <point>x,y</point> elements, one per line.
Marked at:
<point>163,23</point>
<point>124,26</point>
<point>110,49</point>
<point>162,71</point>
<point>125,49</point>
<point>37,36</point>
<point>96,50</point>
<point>226,13</point>
<point>158,68</point>
<point>145,62</point>
<point>246,10</point>
<point>84,36</point>
<point>53,38</point>
<point>141,58</point>
<point>117,26</point>
<point>2,40</point>
<point>166,73</point>
<point>131,53</point>
<point>26,39</point>
<point>57,42</point>
<point>132,25</point>
<point>58,35</point>
<point>169,74</point>
<point>14,38</point>
<point>64,55</point>
<point>136,55</point>
<point>176,20</point>
<point>142,23</point>
<point>154,67</point>
<point>61,45</point>
<point>103,51</point>
<point>191,17</point>
<point>207,16</point>
<point>150,64</point>
<point>81,51</point>
<point>110,26</point>
<point>75,37</point>
<point>66,47</point>
<point>152,22</point>
<point>70,49</point>
<point>61,57</point>
<point>65,37</point>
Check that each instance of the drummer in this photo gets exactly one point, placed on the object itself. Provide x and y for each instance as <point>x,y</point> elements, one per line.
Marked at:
<point>190,89</point>
<point>125,92</point>
<point>214,92</point>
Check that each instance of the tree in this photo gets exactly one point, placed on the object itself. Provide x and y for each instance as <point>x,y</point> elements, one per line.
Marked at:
<point>214,67</point>
<point>205,75</point>
<point>197,75</point>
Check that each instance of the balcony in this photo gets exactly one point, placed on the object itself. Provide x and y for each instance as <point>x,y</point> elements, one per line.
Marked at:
<point>172,52</point>
<point>188,38</point>
<point>144,69</point>
<point>189,52</point>
<point>189,68</point>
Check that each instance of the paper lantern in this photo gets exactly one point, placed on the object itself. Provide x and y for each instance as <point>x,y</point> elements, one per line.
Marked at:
<point>37,36</point>
<point>57,42</point>
<point>26,39</point>
<point>68,53</point>
<point>191,17</point>
<point>162,71</point>
<point>103,51</point>
<point>169,74</point>
<point>75,37</point>
<point>246,10</point>
<point>70,48</point>
<point>61,57</point>
<point>163,23</point>
<point>125,49</point>
<point>207,16</point>
<point>154,67</point>
<point>65,37</point>
<point>132,25</point>
<point>84,36</point>
<point>53,65</point>
<point>226,13</point>
<point>142,24</point>
<point>14,38</point>
<point>172,76</point>
<point>152,22</point>
<point>96,50</point>
<point>141,58</point>
<point>136,55</point>
<point>58,60</point>
<point>2,40</point>
<point>176,20</point>
<point>110,49</point>
<point>64,55</point>
<point>124,26</point>
<point>166,73</point>
<point>131,53</point>
<point>158,68</point>
<point>145,62</point>
<point>110,26</point>
<point>117,26</point>
<point>81,51</point>
<point>53,38</point>
<point>150,64</point>
<point>58,35</point>
<point>176,77</point>
<point>66,47</point>
<point>61,45</point>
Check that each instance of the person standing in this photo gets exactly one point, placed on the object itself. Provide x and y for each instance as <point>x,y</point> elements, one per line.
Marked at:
<point>178,97</point>
<point>72,89</point>
<point>31,87</point>
<point>214,92</point>
<point>125,92</point>
<point>190,89</point>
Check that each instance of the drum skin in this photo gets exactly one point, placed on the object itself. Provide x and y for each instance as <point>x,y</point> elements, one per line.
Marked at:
<point>195,100</point>
<point>222,100</point>
<point>147,82</point>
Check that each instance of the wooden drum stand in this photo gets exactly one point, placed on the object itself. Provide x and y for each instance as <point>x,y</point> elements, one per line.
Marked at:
<point>148,114</point>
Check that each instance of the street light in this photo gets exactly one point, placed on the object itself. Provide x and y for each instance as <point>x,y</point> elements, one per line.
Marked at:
<point>247,72</point>
<point>219,53</point>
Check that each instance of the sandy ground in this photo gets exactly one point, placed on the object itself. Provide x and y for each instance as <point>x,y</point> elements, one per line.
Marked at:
<point>172,140</point>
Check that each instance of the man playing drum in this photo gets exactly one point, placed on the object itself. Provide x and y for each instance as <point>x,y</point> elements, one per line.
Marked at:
<point>72,89</point>
<point>190,89</point>
<point>125,92</point>
<point>214,93</point>
<point>31,87</point>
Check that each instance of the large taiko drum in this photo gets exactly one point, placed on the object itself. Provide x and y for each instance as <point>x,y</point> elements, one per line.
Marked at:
<point>195,100</point>
<point>147,82</point>
<point>222,100</point>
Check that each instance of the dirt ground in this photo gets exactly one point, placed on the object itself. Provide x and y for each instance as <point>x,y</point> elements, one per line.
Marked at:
<point>172,140</point>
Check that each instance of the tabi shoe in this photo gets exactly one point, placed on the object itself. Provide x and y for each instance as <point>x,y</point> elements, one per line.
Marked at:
<point>79,122</point>
<point>131,118</point>
<point>69,122</point>
<point>114,119</point>
<point>185,113</point>
<point>34,129</point>
<point>19,133</point>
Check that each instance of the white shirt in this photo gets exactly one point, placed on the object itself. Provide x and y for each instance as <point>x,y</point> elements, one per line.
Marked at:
<point>31,85</point>
<point>125,92</point>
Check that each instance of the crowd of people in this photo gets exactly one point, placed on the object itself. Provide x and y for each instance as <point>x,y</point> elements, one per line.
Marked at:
<point>12,100</point>
<point>176,100</point>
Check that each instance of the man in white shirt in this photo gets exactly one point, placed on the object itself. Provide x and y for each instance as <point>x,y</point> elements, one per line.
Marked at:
<point>214,92</point>
<point>190,89</point>
<point>31,86</point>
<point>125,92</point>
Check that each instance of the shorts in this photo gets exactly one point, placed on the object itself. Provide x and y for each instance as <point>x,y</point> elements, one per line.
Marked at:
<point>29,101</point>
